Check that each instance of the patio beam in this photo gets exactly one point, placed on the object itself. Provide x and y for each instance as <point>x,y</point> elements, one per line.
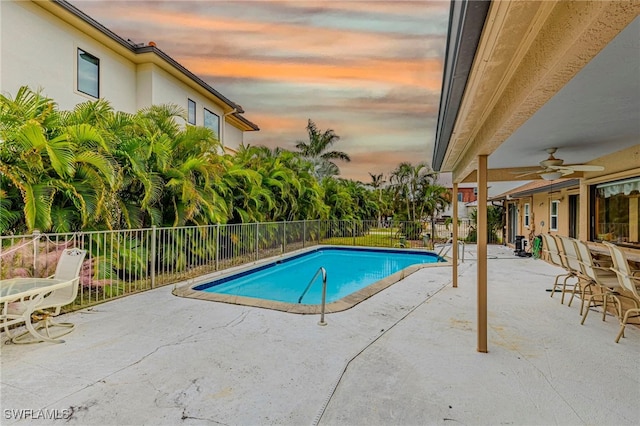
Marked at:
<point>512,174</point>
<point>482,234</point>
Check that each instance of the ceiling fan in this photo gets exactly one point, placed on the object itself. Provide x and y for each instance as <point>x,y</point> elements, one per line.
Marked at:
<point>554,168</point>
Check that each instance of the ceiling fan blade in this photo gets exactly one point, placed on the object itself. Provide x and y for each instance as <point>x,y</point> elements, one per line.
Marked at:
<point>578,168</point>
<point>520,174</point>
<point>566,171</point>
<point>584,168</point>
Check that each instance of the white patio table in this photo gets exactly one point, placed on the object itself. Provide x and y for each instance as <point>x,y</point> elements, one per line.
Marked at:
<point>30,292</point>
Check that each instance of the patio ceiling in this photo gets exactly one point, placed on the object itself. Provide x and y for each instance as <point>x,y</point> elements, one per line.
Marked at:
<point>537,82</point>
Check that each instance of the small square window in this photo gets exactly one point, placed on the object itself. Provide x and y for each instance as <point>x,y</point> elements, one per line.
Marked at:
<point>191,111</point>
<point>88,74</point>
<point>526,215</point>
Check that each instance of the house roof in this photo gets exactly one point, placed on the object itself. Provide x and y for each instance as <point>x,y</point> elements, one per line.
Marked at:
<point>466,20</point>
<point>234,110</point>
<point>535,187</point>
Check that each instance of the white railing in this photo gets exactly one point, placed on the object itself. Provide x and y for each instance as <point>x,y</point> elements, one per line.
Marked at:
<point>128,261</point>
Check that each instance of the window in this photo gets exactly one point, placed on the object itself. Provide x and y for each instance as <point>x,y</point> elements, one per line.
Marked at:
<point>212,121</point>
<point>526,215</point>
<point>553,215</point>
<point>88,74</point>
<point>617,212</point>
<point>460,196</point>
<point>191,111</point>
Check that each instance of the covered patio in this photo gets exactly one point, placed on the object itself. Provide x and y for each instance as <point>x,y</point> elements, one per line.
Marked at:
<point>526,80</point>
<point>405,356</point>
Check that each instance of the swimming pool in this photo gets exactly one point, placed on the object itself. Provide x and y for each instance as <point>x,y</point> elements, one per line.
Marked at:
<point>353,274</point>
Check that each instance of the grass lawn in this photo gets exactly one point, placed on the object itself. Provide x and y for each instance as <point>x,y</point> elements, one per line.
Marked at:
<point>377,237</point>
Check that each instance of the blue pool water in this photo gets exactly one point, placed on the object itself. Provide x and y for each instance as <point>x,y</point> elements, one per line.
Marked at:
<point>348,270</point>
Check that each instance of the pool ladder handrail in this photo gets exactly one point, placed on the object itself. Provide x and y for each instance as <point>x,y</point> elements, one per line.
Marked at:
<point>324,292</point>
<point>444,250</point>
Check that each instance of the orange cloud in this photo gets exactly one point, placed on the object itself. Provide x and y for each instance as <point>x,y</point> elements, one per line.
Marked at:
<point>277,122</point>
<point>380,161</point>
<point>392,72</point>
<point>395,7</point>
<point>268,39</point>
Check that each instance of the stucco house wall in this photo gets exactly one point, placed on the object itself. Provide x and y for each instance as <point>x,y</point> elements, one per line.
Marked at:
<point>233,137</point>
<point>167,90</point>
<point>39,48</point>
<point>540,212</point>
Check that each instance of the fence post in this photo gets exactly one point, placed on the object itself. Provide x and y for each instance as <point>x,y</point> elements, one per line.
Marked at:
<point>257,238</point>
<point>217,245</point>
<point>36,239</point>
<point>284,236</point>
<point>153,256</point>
<point>304,232</point>
<point>353,231</point>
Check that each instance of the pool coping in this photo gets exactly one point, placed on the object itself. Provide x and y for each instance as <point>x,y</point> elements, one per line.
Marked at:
<point>186,289</point>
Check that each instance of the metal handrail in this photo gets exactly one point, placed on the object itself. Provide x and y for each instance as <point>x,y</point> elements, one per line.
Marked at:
<point>324,292</point>
<point>445,248</point>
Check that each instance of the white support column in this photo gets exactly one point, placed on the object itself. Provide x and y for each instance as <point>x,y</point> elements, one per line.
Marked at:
<point>482,234</point>
<point>584,217</point>
<point>454,237</point>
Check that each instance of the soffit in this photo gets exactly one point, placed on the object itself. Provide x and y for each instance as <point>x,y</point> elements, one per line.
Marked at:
<point>539,186</point>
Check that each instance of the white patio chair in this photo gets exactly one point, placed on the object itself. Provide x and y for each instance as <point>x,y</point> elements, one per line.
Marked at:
<point>50,305</point>
<point>571,262</point>
<point>554,255</point>
<point>599,277</point>
<point>628,282</point>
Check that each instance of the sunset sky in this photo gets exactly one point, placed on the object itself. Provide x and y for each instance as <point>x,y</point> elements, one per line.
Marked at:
<point>369,70</point>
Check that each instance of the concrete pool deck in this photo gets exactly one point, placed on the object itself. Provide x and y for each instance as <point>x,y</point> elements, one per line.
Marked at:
<point>406,356</point>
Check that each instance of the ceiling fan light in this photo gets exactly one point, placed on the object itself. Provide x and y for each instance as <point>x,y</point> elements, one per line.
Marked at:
<point>551,175</point>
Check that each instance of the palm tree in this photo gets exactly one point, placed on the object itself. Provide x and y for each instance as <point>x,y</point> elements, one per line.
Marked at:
<point>376,183</point>
<point>401,184</point>
<point>279,183</point>
<point>409,184</point>
<point>365,206</point>
<point>316,151</point>
<point>288,181</point>
<point>10,215</point>
<point>23,144</point>
<point>185,160</point>
<point>341,204</point>
<point>436,199</point>
<point>56,164</point>
<point>96,176</point>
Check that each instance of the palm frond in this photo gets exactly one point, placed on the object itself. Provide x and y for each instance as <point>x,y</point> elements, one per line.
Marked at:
<point>37,206</point>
